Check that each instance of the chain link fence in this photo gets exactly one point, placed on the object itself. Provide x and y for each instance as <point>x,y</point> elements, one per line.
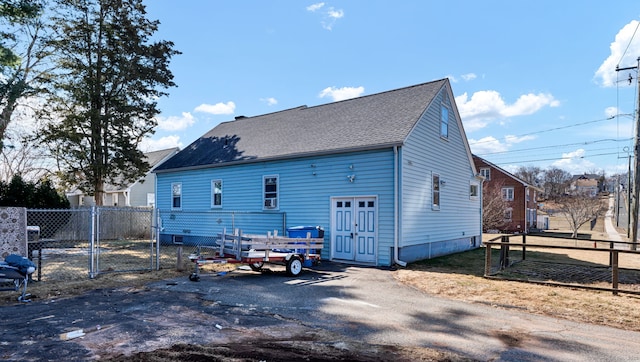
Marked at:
<point>79,243</point>
<point>82,243</point>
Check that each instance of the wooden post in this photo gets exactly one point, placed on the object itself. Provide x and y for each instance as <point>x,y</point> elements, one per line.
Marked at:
<point>611,246</point>
<point>504,253</point>
<point>614,271</point>
<point>179,265</point>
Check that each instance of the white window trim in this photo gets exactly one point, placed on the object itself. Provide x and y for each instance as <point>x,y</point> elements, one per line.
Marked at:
<point>277,198</point>
<point>436,189</point>
<point>509,212</point>
<point>488,172</point>
<point>506,196</point>
<point>173,184</point>
<point>477,185</point>
<point>213,194</point>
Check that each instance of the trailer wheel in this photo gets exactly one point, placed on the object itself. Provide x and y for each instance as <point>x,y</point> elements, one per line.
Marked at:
<point>294,266</point>
<point>257,267</point>
<point>194,277</point>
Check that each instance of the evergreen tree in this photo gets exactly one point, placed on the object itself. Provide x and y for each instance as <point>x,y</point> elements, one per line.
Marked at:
<point>110,75</point>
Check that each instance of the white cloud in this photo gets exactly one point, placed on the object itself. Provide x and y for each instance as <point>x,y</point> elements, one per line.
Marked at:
<point>315,7</point>
<point>335,14</point>
<point>469,76</point>
<point>148,144</point>
<point>611,111</point>
<point>218,108</point>
<point>269,101</point>
<point>487,145</point>
<point>574,162</point>
<point>175,123</point>
<point>511,140</point>
<point>624,52</point>
<point>490,144</point>
<point>485,107</point>
<point>339,94</point>
<point>329,16</point>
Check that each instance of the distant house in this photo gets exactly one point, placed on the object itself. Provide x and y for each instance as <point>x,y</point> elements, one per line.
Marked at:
<point>521,213</point>
<point>586,184</point>
<point>388,176</point>
<point>139,193</point>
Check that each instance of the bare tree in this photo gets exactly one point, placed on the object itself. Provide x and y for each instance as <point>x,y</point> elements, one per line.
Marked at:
<point>529,174</point>
<point>555,182</point>
<point>21,156</point>
<point>580,209</point>
<point>493,207</point>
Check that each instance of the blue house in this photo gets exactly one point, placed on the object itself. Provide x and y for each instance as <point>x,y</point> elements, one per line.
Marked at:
<point>389,176</point>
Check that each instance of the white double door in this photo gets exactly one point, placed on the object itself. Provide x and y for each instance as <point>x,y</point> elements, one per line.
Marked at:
<point>353,229</point>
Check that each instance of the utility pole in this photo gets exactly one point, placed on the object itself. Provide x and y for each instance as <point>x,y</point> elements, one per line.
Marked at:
<point>633,224</point>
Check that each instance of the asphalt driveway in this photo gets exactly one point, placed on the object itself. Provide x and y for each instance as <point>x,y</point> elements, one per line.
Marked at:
<point>333,300</point>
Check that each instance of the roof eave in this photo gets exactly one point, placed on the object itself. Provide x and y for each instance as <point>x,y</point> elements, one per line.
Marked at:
<point>284,157</point>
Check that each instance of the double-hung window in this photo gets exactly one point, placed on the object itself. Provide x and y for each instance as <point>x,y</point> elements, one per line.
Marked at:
<point>486,173</point>
<point>216,193</point>
<point>270,192</point>
<point>507,193</point>
<point>508,214</point>
<point>176,195</point>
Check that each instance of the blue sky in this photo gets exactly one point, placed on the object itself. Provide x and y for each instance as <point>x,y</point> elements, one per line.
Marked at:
<point>535,82</point>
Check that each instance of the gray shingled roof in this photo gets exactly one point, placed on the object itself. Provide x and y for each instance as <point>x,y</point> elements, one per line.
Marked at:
<point>369,122</point>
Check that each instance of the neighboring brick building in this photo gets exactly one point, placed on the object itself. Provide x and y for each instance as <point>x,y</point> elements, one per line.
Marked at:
<point>522,211</point>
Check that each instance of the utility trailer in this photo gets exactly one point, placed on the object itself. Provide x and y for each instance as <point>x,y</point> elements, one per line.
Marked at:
<point>257,250</point>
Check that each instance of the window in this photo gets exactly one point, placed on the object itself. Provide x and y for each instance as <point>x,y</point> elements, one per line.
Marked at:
<point>508,214</point>
<point>473,190</point>
<point>176,195</point>
<point>270,192</point>
<point>507,193</point>
<point>444,121</point>
<point>216,193</point>
<point>486,173</point>
<point>435,191</point>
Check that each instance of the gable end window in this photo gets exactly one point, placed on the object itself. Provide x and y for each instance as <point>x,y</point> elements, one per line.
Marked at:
<point>486,173</point>
<point>444,121</point>
<point>216,193</point>
<point>176,195</point>
<point>435,191</point>
<point>270,192</point>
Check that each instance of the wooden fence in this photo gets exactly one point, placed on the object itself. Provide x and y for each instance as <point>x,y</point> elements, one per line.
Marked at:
<point>614,249</point>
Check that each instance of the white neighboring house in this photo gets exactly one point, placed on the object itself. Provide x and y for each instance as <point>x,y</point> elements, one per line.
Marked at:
<point>137,194</point>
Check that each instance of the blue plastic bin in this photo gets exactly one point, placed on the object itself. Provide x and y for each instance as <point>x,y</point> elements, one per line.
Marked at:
<point>301,232</point>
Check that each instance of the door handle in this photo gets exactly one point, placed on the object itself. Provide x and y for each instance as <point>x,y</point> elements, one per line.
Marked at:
<point>351,235</point>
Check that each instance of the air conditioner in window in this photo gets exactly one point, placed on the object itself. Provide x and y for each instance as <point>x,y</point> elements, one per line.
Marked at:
<point>271,203</point>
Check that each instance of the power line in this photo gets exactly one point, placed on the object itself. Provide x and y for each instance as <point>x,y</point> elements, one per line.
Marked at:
<point>549,130</point>
<point>555,146</point>
<point>555,158</point>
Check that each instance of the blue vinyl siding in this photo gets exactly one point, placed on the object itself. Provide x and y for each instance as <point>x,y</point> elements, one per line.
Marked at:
<point>425,153</point>
<point>303,197</point>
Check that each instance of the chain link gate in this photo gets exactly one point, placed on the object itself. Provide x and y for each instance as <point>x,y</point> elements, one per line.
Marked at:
<point>70,244</point>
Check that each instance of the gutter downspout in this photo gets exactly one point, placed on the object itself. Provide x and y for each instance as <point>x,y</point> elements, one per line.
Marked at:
<point>395,208</point>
